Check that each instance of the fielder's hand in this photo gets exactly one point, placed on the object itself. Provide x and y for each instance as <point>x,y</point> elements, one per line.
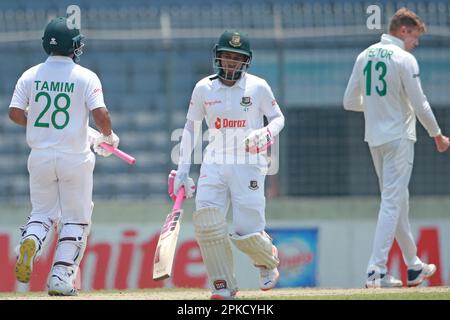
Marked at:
<point>112,139</point>
<point>176,181</point>
<point>442,143</point>
<point>258,141</point>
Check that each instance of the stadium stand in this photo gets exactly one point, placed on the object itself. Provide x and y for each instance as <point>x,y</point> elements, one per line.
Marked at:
<point>150,54</point>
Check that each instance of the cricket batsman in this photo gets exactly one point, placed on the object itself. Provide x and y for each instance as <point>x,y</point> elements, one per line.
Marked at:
<point>53,101</point>
<point>233,103</point>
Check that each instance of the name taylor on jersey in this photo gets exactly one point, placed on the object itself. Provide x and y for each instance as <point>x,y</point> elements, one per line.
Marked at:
<point>380,53</point>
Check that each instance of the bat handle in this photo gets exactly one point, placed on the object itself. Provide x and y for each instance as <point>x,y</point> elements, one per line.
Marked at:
<point>179,200</point>
<point>119,153</point>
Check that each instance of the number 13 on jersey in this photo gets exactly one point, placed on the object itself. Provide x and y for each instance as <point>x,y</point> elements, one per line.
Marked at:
<point>380,85</point>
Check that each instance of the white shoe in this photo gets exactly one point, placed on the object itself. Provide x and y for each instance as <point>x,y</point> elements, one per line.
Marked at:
<point>62,281</point>
<point>268,278</point>
<point>26,254</point>
<point>377,280</point>
<point>223,294</point>
<point>415,278</point>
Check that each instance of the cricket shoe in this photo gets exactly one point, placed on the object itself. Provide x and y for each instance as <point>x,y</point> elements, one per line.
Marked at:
<point>416,277</point>
<point>268,278</point>
<point>26,255</point>
<point>223,294</point>
<point>383,280</point>
<point>62,281</point>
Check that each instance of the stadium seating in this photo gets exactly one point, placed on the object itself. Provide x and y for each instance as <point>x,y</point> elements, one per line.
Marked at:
<point>150,54</point>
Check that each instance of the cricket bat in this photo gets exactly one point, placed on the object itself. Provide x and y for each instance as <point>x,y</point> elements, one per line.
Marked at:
<point>93,134</point>
<point>168,238</point>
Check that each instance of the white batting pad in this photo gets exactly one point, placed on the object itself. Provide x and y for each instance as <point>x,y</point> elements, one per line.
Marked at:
<point>72,243</point>
<point>39,226</point>
<point>212,237</point>
<point>258,246</point>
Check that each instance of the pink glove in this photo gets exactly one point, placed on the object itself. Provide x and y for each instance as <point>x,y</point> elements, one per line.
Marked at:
<point>175,183</point>
<point>171,180</point>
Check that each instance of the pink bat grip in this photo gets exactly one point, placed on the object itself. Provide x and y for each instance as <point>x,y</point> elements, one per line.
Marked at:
<point>179,200</point>
<point>119,153</point>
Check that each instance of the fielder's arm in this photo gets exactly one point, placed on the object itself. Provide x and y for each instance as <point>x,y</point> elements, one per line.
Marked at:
<point>410,76</point>
<point>353,99</point>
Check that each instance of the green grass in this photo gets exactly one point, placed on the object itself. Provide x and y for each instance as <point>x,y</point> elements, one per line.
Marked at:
<point>116,211</point>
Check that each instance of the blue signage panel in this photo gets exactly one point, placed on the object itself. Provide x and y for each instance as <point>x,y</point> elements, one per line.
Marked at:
<point>297,250</point>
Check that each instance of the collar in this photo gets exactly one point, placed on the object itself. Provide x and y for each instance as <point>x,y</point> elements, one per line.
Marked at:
<point>59,59</point>
<point>217,84</point>
<point>390,39</point>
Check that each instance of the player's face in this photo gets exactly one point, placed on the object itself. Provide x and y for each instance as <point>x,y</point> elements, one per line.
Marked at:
<point>410,38</point>
<point>231,62</point>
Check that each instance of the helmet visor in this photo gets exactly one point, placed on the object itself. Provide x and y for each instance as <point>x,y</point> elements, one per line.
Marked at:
<point>78,47</point>
<point>230,66</point>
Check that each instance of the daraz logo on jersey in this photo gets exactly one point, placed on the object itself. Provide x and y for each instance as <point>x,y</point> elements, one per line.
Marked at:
<point>227,123</point>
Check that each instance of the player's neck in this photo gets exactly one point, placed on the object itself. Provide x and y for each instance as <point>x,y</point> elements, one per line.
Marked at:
<point>396,35</point>
<point>228,83</point>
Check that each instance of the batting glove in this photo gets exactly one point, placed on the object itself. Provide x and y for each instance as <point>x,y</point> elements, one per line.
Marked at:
<point>176,181</point>
<point>258,140</point>
<point>112,139</point>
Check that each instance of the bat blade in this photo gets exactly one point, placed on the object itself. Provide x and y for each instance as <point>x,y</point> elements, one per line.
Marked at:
<point>167,242</point>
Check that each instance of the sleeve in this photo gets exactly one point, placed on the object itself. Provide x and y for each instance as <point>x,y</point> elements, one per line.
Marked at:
<point>191,133</point>
<point>413,88</point>
<point>271,110</point>
<point>20,98</point>
<point>353,99</point>
<point>196,110</point>
<point>94,94</point>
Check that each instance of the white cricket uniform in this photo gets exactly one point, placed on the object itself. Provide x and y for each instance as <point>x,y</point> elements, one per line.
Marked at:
<point>60,94</point>
<point>228,173</point>
<point>385,85</point>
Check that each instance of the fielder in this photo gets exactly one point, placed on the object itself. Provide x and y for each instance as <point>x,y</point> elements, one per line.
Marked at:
<point>58,96</point>
<point>233,104</point>
<point>385,85</point>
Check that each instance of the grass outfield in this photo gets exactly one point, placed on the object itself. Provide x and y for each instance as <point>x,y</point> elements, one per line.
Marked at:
<point>116,211</point>
<point>421,293</point>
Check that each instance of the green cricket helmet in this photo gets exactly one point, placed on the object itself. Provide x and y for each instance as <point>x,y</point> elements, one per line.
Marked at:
<point>232,41</point>
<point>60,39</point>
